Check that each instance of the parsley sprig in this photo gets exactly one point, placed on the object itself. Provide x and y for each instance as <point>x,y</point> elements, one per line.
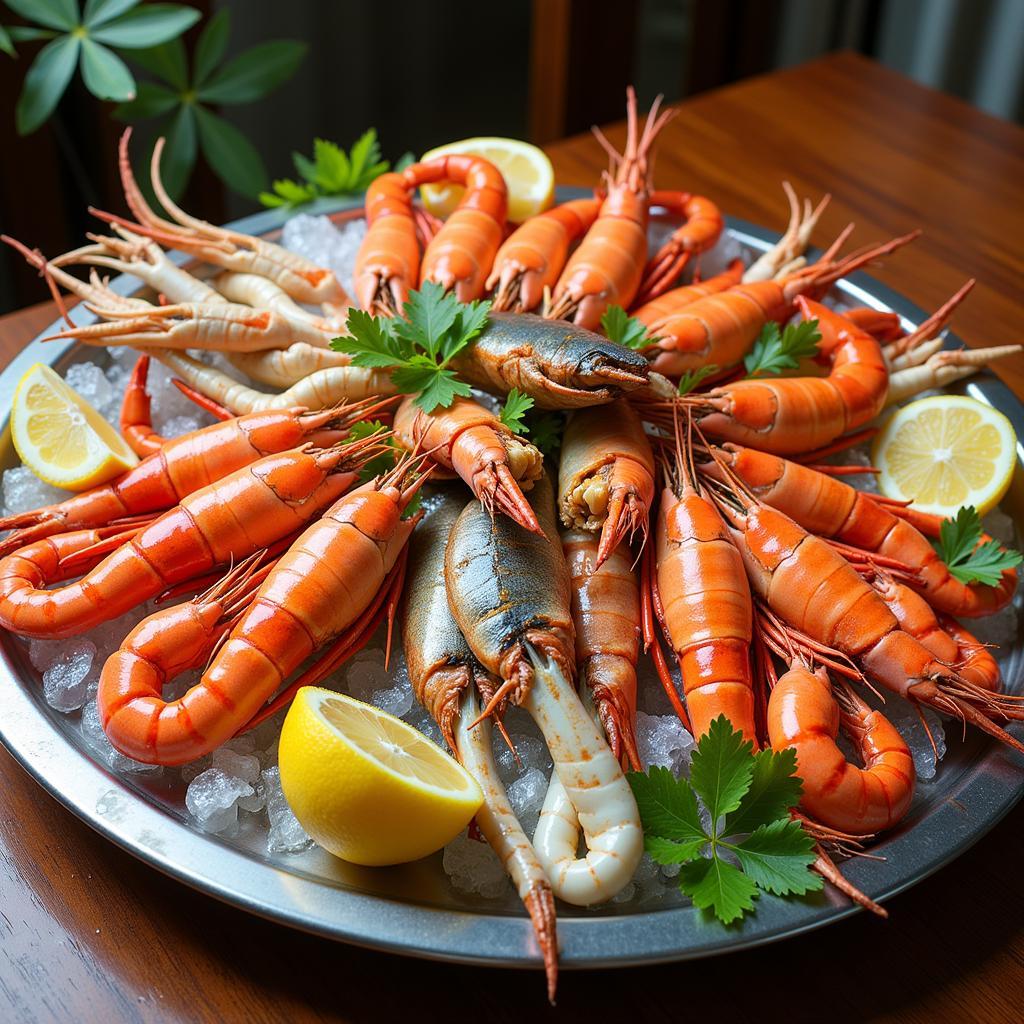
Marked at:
<point>747,797</point>
<point>516,406</point>
<point>968,560</point>
<point>775,350</point>
<point>417,346</point>
<point>330,172</point>
<point>694,378</point>
<point>626,330</point>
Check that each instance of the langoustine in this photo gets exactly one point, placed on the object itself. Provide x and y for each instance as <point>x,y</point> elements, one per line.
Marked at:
<point>509,593</point>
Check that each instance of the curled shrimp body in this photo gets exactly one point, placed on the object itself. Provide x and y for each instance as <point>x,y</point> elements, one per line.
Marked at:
<point>950,642</point>
<point>509,592</point>
<point>805,713</point>
<point>812,587</point>
<point>472,441</point>
<point>388,261</point>
<point>448,680</point>
<point>232,518</point>
<point>798,414</point>
<point>829,507</point>
<point>607,267</point>
<point>314,592</point>
<point>532,257</point>
<point>459,257</point>
<point>606,614</point>
<point>606,474</point>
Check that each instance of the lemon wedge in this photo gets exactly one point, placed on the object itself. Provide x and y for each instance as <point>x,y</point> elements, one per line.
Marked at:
<point>526,169</point>
<point>61,437</point>
<point>368,787</point>
<point>945,452</point>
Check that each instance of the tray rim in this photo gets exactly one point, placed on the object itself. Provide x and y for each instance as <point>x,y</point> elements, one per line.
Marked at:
<point>987,791</point>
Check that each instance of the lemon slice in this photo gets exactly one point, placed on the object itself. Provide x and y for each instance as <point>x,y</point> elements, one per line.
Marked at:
<point>61,437</point>
<point>526,169</point>
<point>368,787</point>
<point>945,452</point>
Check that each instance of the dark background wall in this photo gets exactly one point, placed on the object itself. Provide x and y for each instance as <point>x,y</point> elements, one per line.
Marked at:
<point>428,71</point>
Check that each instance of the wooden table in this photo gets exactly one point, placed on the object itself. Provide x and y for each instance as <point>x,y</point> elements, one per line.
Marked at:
<point>88,934</point>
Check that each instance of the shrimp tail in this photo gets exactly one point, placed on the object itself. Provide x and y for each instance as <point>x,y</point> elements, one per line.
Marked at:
<point>501,489</point>
<point>540,904</point>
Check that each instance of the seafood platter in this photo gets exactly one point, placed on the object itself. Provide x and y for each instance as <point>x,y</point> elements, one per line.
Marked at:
<point>616,584</point>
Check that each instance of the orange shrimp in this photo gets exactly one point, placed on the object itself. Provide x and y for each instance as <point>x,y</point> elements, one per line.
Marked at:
<point>136,418</point>
<point>606,474</point>
<point>608,266</point>
<point>950,642</point>
<point>230,519</point>
<point>882,325</point>
<point>657,313</point>
<point>531,258</point>
<point>805,712</point>
<point>472,441</point>
<point>811,586</point>
<point>314,593</point>
<point>798,414</point>
<point>185,464</point>
<point>388,261</point>
<point>606,614</point>
<point>721,328</point>
<point>701,595</point>
<point>831,508</point>
<point>702,227</point>
<point>460,255</point>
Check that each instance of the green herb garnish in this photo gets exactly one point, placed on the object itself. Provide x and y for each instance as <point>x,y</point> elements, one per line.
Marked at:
<point>545,431</point>
<point>692,378</point>
<point>419,345</point>
<point>515,408</point>
<point>626,330</point>
<point>330,172</point>
<point>777,350</point>
<point>748,797</point>
<point>968,560</point>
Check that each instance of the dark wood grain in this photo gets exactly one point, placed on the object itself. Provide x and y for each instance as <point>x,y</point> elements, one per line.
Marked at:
<point>89,934</point>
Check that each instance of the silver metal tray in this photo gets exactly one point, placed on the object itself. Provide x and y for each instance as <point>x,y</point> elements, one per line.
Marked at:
<point>413,909</point>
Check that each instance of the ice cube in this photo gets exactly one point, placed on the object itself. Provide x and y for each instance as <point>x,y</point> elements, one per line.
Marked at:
<point>24,491</point>
<point>212,799</point>
<point>177,426</point>
<point>473,868</point>
<point>526,795</point>
<point>242,766</point>
<point>662,740</point>
<point>365,673</point>
<point>286,835</point>
<point>66,678</point>
<point>92,384</point>
<point>532,750</point>
<point>905,719</point>
<point>327,245</point>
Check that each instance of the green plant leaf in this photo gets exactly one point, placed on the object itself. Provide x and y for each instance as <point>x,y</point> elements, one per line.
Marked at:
<point>45,82</point>
<point>370,341</point>
<point>693,378</point>
<point>29,34</point>
<point>212,43</point>
<point>151,100</point>
<point>99,12</point>
<point>967,559</point>
<point>253,74</point>
<point>105,75</point>
<point>775,350</point>
<point>6,44</point>
<point>624,329</point>
<point>719,886</point>
<point>428,315</point>
<point>667,806</point>
<point>147,26</point>
<point>168,62</point>
<point>515,408</point>
<point>179,154</point>
<point>774,789</point>
<point>59,14</point>
<point>722,768</point>
<point>231,155</point>
<point>331,169</point>
<point>670,851</point>
<point>287,193</point>
<point>777,857</point>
